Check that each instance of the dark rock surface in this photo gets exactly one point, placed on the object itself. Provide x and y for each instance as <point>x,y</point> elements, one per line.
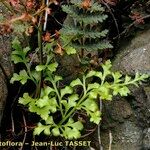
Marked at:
<point>134,55</point>
<point>128,118</point>
<point>146,138</point>
<point>6,68</point>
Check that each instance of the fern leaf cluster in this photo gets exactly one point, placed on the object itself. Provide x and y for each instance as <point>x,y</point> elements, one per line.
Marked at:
<point>85,31</point>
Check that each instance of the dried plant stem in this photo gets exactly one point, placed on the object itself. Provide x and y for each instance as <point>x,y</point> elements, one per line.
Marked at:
<point>25,132</point>
<point>110,139</point>
<point>98,130</point>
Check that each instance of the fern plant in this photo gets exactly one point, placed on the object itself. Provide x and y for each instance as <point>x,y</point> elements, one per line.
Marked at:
<point>67,100</point>
<point>83,31</point>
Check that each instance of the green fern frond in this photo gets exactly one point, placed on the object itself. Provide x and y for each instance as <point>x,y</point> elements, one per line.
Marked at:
<point>85,26</point>
<point>93,47</point>
<point>85,33</point>
<point>95,7</point>
<point>87,18</point>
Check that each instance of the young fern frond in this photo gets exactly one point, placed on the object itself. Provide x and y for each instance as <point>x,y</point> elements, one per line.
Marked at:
<point>67,100</point>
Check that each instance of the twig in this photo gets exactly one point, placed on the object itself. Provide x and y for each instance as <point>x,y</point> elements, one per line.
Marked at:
<point>57,21</point>
<point>46,16</point>
<point>112,17</point>
<point>34,141</point>
<point>91,131</point>
<point>12,120</point>
<point>25,133</point>
<point>132,24</point>
<point>74,148</point>
<point>12,123</point>
<point>98,130</point>
<point>110,139</point>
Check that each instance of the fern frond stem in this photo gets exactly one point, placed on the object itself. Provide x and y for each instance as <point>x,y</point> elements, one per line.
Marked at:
<point>59,97</point>
<point>78,104</point>
<point>29,72</point>
<point>38,90</point>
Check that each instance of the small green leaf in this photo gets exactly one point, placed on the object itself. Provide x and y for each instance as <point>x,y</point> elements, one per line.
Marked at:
<point>57,78</point>
<point>49,120</point>
<point>16,59</point>
<point>95,117</point>
<point>42,101</point>
<point>104,91</point>
<point>26,50</point>
<point>117,76</point>
<point>66,90</point>
<point>71,133</point>
<point>76,82</point>
<point>90,105</point>
<point>47,131</point>
<point>52,104</point>
<point>40,67</point>
<point>48,46</point>
<point>36,75</point>
<point>106,67</point>
<point>47,90</point>
<point>72,100</point>
<point>91,74</point>
<point>16,52</point>
<point>124,91</point>
<point>70,50</point>
<point>93,94</point>
<point>22,77</point>
<point>26,99</point>
<point>43,112</point>
<point>78,125</point>
<point>72,129</point>
<point>70,121</point>
<point>52,67</point>
<point>93,86</point>
<point>127,78</point>
<point>56,131</point>
<point>65,103</point>
<point>39,129</point>
<point>16,45</point>
<point>98,74</point>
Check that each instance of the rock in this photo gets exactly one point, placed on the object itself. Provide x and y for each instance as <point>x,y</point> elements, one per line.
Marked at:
<point>126,136</point>
<point>126,118</point>
<point>134,56</point>
<point>137,60</point>
<point>146,139</point>
<point>5,70</point>
<point>3,95</point>
<point>69,67</point>
<point>121,109</point>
